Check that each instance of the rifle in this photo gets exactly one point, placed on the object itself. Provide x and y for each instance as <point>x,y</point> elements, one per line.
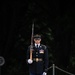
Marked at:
<point>31,47</point>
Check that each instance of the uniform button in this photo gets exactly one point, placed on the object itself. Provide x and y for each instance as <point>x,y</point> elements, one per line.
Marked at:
<point>36,55</point>
<point>36,52</point>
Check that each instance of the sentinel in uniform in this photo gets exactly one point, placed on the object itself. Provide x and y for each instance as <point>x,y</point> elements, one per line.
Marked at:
<point>39,62</point>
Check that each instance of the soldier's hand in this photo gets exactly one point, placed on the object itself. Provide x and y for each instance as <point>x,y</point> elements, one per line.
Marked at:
<point>44,73</point>
<point>30,61</point>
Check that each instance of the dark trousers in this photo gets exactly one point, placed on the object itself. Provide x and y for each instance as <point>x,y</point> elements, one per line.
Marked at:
<point>35,74</point>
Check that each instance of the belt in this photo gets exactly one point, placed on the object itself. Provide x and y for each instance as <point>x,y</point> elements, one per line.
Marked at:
<point>37,59</point>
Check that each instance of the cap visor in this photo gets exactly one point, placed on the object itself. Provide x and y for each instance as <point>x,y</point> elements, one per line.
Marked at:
<point>37,38</point>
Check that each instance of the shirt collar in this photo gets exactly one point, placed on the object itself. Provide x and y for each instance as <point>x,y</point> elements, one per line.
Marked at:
<point>37,44</point>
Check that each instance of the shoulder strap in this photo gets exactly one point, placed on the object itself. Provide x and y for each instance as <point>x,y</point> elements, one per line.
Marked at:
<point>43,46</point>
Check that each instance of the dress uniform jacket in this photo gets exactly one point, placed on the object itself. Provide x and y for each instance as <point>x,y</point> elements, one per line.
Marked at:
<point>40,59</point>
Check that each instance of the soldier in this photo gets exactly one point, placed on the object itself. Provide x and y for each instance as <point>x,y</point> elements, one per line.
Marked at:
<point>39,62</point>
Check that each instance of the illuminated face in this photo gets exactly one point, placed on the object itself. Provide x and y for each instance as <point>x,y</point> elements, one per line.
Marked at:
<point>37,41</point>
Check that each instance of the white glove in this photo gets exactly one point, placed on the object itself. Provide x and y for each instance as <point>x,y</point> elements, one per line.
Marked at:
<point>30,61</point>
<point>44,73</point>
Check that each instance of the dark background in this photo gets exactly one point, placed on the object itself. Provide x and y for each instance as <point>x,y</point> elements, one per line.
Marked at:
<point>54,20</point>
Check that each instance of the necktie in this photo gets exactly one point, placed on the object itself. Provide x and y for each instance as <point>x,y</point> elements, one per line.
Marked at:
<point>37,46</point>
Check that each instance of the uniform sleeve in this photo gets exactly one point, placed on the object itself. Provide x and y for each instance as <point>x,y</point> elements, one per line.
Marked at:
<point>46,60</point>
<point>28,54</point>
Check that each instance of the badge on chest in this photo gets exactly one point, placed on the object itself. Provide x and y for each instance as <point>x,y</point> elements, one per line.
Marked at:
<point>41,51</point>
